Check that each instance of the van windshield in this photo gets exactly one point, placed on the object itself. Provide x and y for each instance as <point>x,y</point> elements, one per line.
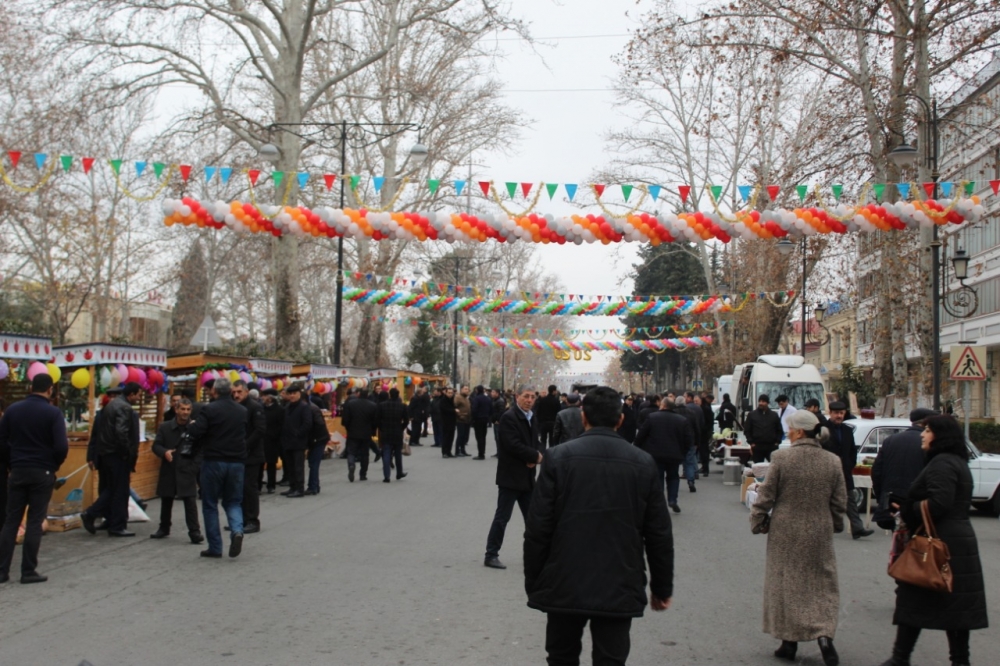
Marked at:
<point>797,393</point>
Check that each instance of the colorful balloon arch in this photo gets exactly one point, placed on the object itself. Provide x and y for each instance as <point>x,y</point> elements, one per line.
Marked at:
<point>577,229</point>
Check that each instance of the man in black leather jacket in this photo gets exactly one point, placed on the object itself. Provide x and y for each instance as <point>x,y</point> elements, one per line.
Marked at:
<point>667,436</point>
<point>256,431</point>
<point>597,511</point>
<point>897,465</point>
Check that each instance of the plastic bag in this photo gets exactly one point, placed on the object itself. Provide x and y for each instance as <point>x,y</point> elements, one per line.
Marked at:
<point>135,513</point>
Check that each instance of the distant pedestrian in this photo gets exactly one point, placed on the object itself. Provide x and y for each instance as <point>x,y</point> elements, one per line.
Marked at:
<point>448,420</point>
<point>727,416</point>
<point>256,430</point>
<point>799,506</point>
<point>359,420</point>
<point>178,476</point>
<point>569,421</point>
<point>597,518</point>
<point>319,435</point>
<point>629,426</point>
<point>33,446</point>
<point>841,444</point>
<point>547,407</point>
<point>274,418</point>
<point>520,451</point>
<point>499,407</point>
<point>704,401</point>
<point>667,436</point>
<point>482,410</point>
<point>785,410</point>
<point>763,430</point>
<point>463,421</point>
<point>391,419</point>
<point>691,460</point>
<point>295,439</point>
<point>899,462</point>
<point>435,414</point>
<point>417,411</point>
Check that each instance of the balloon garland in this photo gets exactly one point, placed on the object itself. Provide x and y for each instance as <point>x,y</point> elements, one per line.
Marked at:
<point>577,229</point>
<point>634,346</point>
<point>442,328</point>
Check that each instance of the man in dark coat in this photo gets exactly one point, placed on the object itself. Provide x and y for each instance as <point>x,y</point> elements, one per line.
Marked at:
<point>295,439</point>
<point>417,412</point>
<point>117,447</point>
<point>499,407</point>
<point>546,409</point>
<point>33,446</point>
<point>448,420</point>
<point>319,435</point>
<point>359,419</point>
<point>647,408</point>
<point>519,452</point>
<point>763,430</point>
<point>178,476</point>
<point>435,413</point>
<point>219,433</point>
<point>897,465</point>
<point>569,421</point>
<point>727,413</point>
<point>274,419</point>
<point>391,419</point>
<point>693,414</point>
<point>667,436</point>
<point>256,432</point>
<point>482,410</point>
<point>841,444</point>
<point>597,510</point>
<point>629,425</point>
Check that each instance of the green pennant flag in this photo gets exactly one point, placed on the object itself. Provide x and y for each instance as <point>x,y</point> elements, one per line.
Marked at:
<point>511,189</point>
<point>67,162</point>
<point>837,191</point>
<point>970,188</point>
<point>277,176</point>
<point>355,181</point>
<point>716,191</point>
<point>433,184</point>
<point>626,191</point>
<point>879,189</point>
<point>802,190</point>
<point>551,188</point>
<point>116,165</point>
<point>158,169</point>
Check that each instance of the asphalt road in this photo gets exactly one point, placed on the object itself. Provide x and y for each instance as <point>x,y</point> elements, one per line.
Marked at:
<point>373,573</point>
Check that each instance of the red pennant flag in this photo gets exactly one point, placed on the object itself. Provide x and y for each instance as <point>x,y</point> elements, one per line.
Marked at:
<point>995,184</point>
<point>929,189</point>
<point>599,189</point>
<point>484,185</point>
<point>328,178</point>
<point>15,157</point>
<point>88,164</point>
<point>685,192</point>
<point>772,191</point>
<point>525,188</point>
<point>254,175</point>
<point>185,171</point>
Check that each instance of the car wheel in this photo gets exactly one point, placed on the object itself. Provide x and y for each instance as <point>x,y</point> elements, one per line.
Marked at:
<point>860,499</point>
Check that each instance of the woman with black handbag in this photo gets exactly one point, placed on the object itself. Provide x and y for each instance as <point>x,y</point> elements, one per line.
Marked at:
<point>945,484</point>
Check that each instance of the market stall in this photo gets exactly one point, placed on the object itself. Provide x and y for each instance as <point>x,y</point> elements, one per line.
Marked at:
<point>330,383</point>
<point>17,353</point>
<point>195,369</point>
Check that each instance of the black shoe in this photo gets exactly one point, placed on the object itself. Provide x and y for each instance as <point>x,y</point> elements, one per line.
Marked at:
<point>692,488</point>
<point>415,444</point>
<point>675,508</point>
<point>787,650</point>
<point>284,482</point>
<point>88,523</point>
<point>437,445</point>
<point>270,490</point>
<point>362,478</point>
<point>830,656</point>
<point>120,533</point>
<point>159,534</point>
<point>480,458</point>
<point>27,579</point>
<point>252,528</point>
<point>494,563</point>
<point>295,495</point>
<point>196,538</point>
<point>386,481</point>
<point>350,474</point>
<point>287,492</point>
<point>447,455</point>
<point>863,533</point>
<point>236,545</point>
<point>4,578</point>
<point>208,553</point>
<point>402,476</point>
<point>311,492</point>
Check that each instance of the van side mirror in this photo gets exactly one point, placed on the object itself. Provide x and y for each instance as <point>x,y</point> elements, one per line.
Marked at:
<point>746,407</point>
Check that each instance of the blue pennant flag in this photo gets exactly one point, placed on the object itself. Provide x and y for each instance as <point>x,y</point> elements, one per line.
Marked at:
<point>139,168</point>
<point>225,173</point>
<point>303,177</point>
<point>209,174</point>
<point>946,189</point>
<point>459,186</point>
<point>903,189</point>
<point>379,181</point>
<point>570,190</point>
<point>654,191</point>
<point>40,159</point>
<point>744,192</point>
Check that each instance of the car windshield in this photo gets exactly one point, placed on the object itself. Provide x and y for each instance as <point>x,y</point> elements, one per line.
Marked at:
<point>797,393</point>
<point>972,447</point>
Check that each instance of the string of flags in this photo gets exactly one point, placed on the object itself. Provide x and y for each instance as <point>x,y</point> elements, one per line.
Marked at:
<point>634,346</point>
<point>443,328</point>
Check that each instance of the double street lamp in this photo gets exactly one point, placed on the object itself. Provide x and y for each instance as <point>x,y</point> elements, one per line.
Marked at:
<point>785,247</point>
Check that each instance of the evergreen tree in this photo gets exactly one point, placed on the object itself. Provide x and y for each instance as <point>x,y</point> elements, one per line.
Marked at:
<point>425,347</point>
<point>192,299</point>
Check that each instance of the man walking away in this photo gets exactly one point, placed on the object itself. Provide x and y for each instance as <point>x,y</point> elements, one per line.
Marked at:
<point>763,430</point>
<point>899,462</point>
<point>256,430</point>
<point>435,413</point>
<point>704,401</point>
<point>569,421</point>
<point>499,407</point>
<point>692,413</point>
<point>519,452</point>
<point>274,418</point>
<point>463,422</point>
<point>295,439</point>
<point>668,437</point>
<point>597,510</point>
<point>117,446</point>
<point>482,410</point>
<point>417,413</point>
<point>219,434</point>
<point>727,414</point>
<point>546,411</point>
<point>359,421</point>
<point>449,416</point>
<point>391,418</point>
<point>841,444</point>
<point>178,474</point>
<point>33,445</point>
<point>319,435</point>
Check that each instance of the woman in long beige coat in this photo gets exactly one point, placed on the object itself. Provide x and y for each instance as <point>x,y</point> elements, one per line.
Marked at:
<point>804,494</point>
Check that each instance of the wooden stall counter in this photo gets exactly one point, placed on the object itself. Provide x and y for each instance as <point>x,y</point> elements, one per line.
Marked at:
<point>147,471</point>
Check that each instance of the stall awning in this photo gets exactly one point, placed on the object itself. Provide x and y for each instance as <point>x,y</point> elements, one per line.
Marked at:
<point>266,366</point>
<point>98,353</point>
<point>31,347</point>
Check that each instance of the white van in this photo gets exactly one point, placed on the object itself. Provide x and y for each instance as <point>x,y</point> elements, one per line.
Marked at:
<point>778,374</point>
<point>723,385</point>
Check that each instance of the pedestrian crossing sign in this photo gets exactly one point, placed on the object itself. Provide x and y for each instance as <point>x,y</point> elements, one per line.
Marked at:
<point>968,363</point>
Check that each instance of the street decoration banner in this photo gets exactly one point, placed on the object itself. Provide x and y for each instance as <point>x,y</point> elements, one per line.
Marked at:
<point>634,346</point>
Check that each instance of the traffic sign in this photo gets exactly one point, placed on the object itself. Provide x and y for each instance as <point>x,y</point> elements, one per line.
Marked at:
<point>697,384</point>
<point>968,363</point>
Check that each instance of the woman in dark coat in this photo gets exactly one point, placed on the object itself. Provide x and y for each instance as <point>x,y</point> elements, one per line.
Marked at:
<point>946,485</point>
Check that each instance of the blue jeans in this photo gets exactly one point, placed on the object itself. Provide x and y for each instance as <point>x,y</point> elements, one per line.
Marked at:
<point>691,463</point>
<point>672,472</point>
<point>221,481</point>
<point>392,452</point>
<point>315,458</point>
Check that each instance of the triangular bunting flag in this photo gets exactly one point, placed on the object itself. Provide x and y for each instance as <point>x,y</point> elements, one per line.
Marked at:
<point>88,163</point>
<point>995,184</point>
<point>67,162</point>
<point>970,188</point>
<point>433,184</point>
<point>15,157</point>
<point>802,190</point>
<point>599,189</point>
<point>185,171</point>
<point>139,168</point>
<point>277,177</point>
<point>626,191</point>
<point>253,174</point>
<point>525,189</point>
<point>328,179</point>
<point>484,185</point>
<point>378,182</point>
<point>837,191</point>
<point>225,173</point>
<point>772,191</point>
<point>303,178</point>
<point>117,166</point>
<point>929,189</point>
<point>158,169</point>
<point>40,159</point>
<point>904,190</point>
<point>716,191</point>
<point>946,189</point>
<point>511,189</point>
<point>459,186</point>
<point>879,189</point>
<point>551,189</point>
<point>570,190</point>
<point>355,181</point>
<point>744,192</point>
<point>684,191</point>
<point>654,191</point>
<point>210,173</point>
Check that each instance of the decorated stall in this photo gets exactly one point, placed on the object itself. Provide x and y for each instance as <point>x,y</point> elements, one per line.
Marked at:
<point>195,369</point>
<point>17,353</point>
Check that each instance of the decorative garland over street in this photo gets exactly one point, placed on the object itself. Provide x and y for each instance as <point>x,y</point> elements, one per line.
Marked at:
<point>634,346</point>
<point>442,329</point>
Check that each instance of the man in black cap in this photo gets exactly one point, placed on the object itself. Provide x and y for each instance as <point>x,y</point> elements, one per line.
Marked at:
<point>569,421</point>
<point>359,418</point>
<point>274,418</point>
<point>295,438</point>
<point>763,430</point>
<point>841,444</point>
<point>899,461</point>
